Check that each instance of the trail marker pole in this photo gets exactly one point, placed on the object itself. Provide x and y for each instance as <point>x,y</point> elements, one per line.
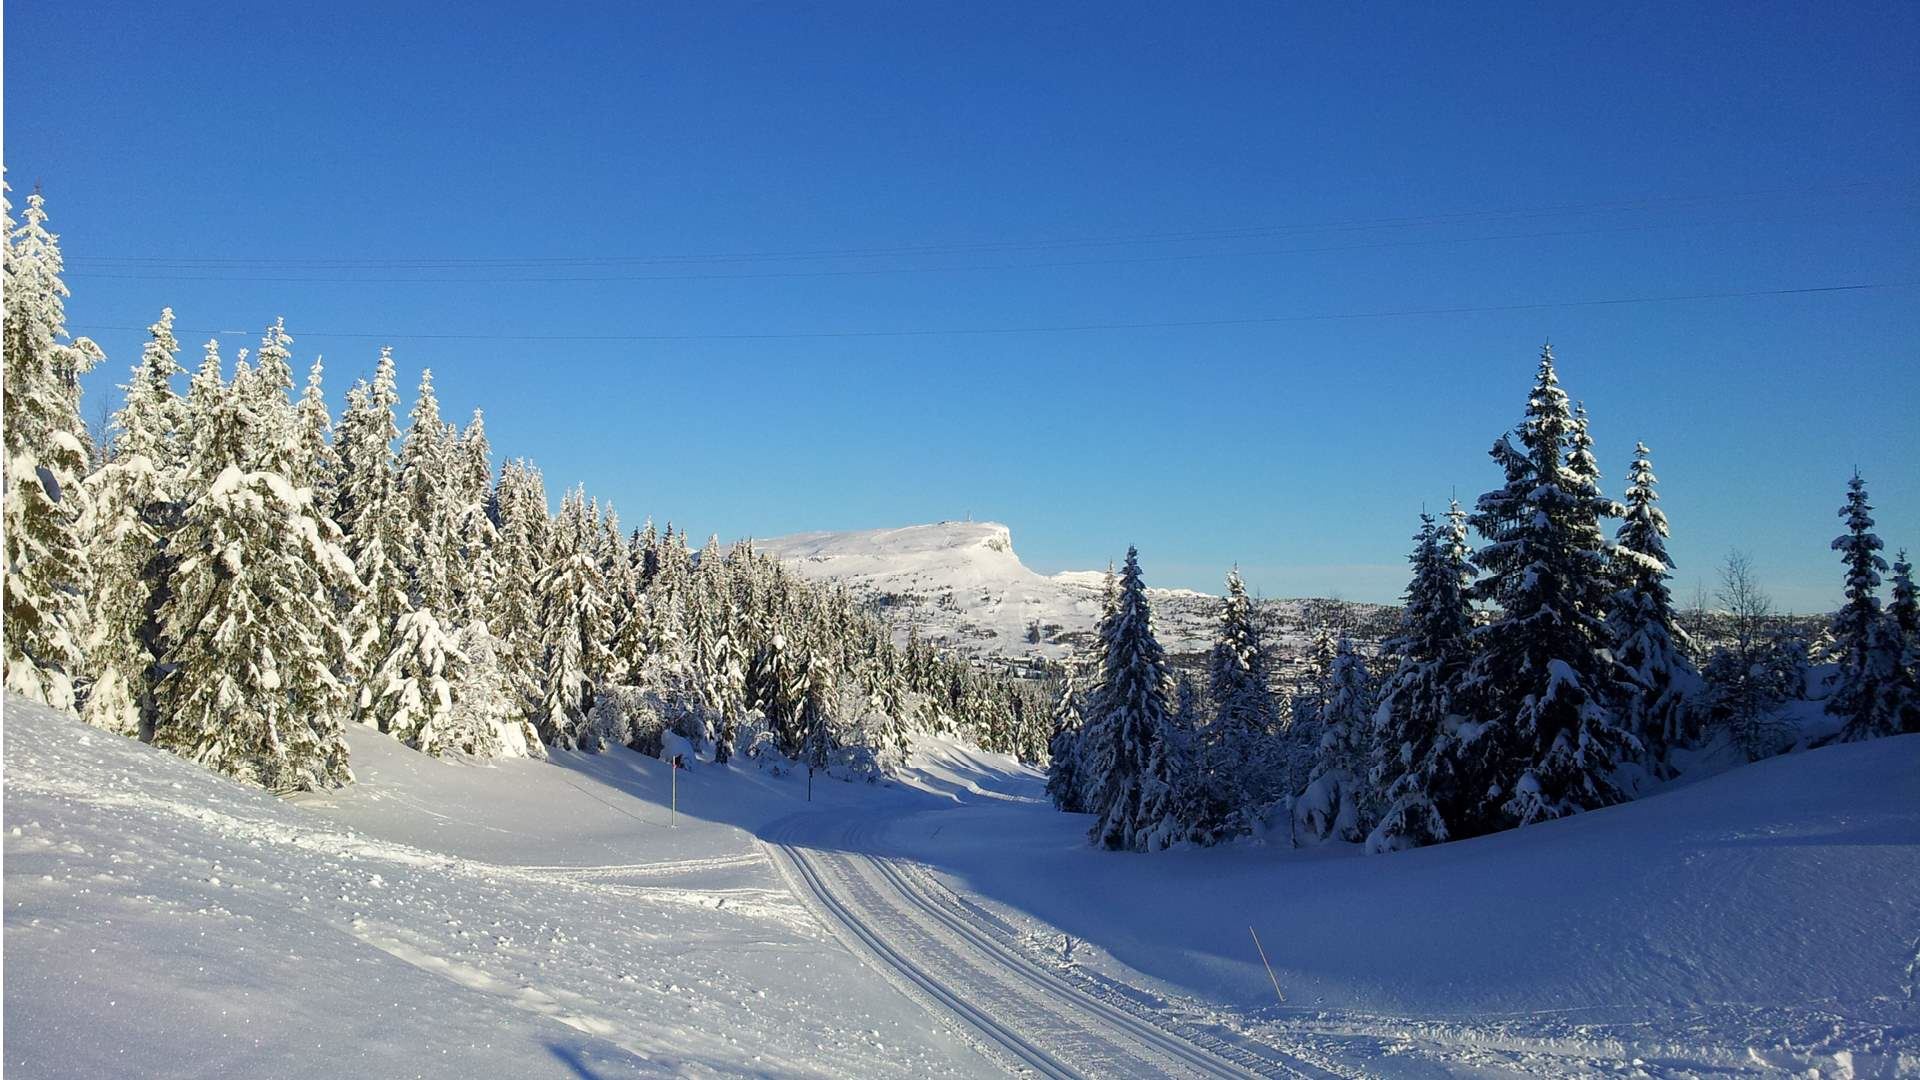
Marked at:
<point>1269,967</point>
<point>673,801</point>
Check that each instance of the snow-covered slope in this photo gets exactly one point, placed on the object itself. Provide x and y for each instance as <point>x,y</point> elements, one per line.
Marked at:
<point>963,586</point>
<point>554,919</point>
<point>1763,921</point>
<point>529,919</point>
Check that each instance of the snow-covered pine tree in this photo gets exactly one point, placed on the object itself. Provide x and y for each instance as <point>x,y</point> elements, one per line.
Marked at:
<point>1338,802</point>
<point>1903,610</point>
<point>410,694</point>
<point>1236,759</point>
<point>1064,784</point>
<point>473,461</point>
<point>1415,727</point>
<point>1864,638</point>
<point>1129,776</point>
<point>47,457</point>
<point>519,511</point>
<point>135,509</point>
<point>152,418</point>
<point>483,700</point>
<point>1645,632</point>
<point>256,635</point>
<point>1298,744</point>
<point>371,512</point>
<point>573,625</point>
<point>1543,686</point>
<point>315,464</point>
<point>428,492</point>
<point>274,440</point>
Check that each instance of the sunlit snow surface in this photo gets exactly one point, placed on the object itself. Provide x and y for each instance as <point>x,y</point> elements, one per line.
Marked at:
<point>550,920</point>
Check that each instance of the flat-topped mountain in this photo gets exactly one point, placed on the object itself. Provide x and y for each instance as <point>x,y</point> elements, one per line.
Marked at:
<point>963,586</point>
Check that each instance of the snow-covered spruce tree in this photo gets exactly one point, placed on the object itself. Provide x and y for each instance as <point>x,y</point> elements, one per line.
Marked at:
<point>264,391</point>
<point>1236,756</point>
<point>135,509</point>
<point>152,421</point>
<point>573,626</point>
<point>410,694</point>
<point>370,511</point>
<point>1864,637</point>
<point>428,494</point>
<point>1338,802</point>
<point>472,568</point>
<point>519,513</point>
<point>1064,786</point>
<point>47,457</point>
<point>1128,773</point>
<point>1543,688</point>
<point>1415,727</point>
<point>255,632</point>
<point>1904,613</point>
<point>315,463</point>
<point>1298,749</point>
<point>1645,632</point>
<point>483,700</point>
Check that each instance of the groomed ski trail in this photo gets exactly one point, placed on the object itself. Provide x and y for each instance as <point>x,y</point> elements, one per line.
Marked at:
<point>939,953</point>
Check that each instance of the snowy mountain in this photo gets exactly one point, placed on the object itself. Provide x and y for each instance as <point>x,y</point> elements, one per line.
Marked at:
<point>964,587</point>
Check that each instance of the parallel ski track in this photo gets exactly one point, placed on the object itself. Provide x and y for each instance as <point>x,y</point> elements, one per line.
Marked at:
<point>1105,1024</point>
<point>1007,1039</point>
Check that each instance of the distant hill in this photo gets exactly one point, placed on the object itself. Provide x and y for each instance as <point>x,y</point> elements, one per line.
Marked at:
<point>964,587</point>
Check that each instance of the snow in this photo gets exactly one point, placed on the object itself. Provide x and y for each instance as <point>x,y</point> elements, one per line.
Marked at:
<point>549,919</point>
<point>432,920</point>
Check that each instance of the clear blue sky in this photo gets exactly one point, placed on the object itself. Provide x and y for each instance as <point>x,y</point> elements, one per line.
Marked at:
<point>244,161</point>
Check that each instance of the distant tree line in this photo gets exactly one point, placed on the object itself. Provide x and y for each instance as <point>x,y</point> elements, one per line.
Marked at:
<point>1542,674</point>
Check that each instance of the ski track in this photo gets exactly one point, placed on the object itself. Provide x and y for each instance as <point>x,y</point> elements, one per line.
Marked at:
<point>943,955</point>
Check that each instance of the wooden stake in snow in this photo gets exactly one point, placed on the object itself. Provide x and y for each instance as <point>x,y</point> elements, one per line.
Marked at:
<point>1269,967</point>
<point>673,800</point>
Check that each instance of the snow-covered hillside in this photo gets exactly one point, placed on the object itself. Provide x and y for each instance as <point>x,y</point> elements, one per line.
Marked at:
<point>963,586</point>
<point>528,919</point>
<point>554,919</point>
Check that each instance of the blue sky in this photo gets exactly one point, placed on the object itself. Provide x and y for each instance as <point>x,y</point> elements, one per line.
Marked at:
<point>717,172</point>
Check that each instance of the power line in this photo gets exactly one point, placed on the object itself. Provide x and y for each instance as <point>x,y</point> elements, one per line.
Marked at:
<point>1069,328</point>
<point>991,246</point>
<point>971,268</point>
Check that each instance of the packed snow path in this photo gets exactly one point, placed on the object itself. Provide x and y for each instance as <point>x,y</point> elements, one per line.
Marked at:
<point>947,954</point>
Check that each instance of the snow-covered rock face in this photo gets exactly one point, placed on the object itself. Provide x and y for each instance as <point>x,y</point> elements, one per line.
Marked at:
<point>962,585</point>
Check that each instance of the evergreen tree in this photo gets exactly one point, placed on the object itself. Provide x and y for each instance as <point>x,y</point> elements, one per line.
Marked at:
<point>1543,684</point>
<point>573,626</point>
<point>1236,758</point>
<point>274,439</point>
<point>1415,728</point>
<point>256,636</point>
<point>1130,777</point>
<point>152,417</point>
<point>371,512</point>
<point>315,463</point>
<point>1864,638</point>
<point>410,694</point>
<point>428,491</point>
<point>1339,801</point>
<point>1904,612</point>
<point>1064,782</point>
<point>46,459</point>
<point>1645,632</point>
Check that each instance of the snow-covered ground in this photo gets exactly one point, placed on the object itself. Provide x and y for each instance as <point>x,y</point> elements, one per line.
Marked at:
<point>550,919</point>
<point>964,587</point>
